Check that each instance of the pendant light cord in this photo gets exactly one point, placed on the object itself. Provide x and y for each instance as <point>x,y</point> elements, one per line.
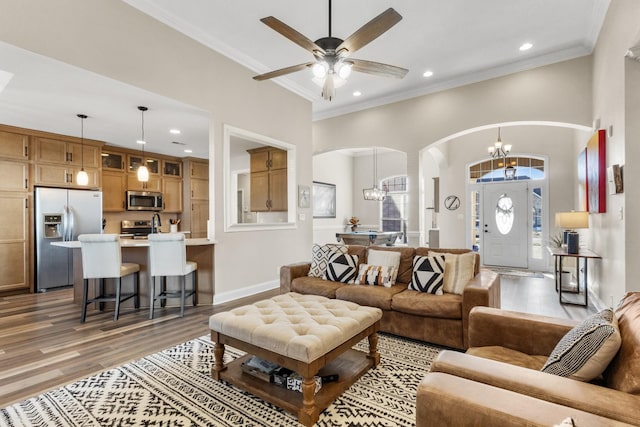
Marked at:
<point>329,18</point>
<point>82,117</point>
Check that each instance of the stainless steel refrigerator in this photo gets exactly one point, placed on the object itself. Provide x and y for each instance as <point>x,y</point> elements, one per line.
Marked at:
<point>62,215</point>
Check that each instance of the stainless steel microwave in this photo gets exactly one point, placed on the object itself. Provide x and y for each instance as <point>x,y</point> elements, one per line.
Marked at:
<point>144,201</point>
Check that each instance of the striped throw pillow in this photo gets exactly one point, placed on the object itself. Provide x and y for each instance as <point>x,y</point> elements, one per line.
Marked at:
<point>587,349</point>
<point>377,275</point>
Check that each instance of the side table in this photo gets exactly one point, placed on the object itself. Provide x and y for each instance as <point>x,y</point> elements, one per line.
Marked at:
<point>583,254</point>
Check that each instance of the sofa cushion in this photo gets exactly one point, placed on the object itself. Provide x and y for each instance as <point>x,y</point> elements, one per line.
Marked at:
<point>586,350</point>
<point>424,251</point>
<point>507,355</point>
<point>376,275</point>
<point>342,268</point>
<point>623,373</point>
<point>315,286</point>
<point>447,306</point>
<point>405,268</point>
<point>458,270</point>
<point>428,274</point>
<point>320,255</point>
<point>373,296</point>
<point>360,251</point>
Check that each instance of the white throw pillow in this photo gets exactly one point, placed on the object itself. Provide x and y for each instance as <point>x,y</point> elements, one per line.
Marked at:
<point>458,270</point>
<point>586,350</point>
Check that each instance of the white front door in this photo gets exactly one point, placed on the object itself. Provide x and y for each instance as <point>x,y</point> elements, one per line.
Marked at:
<point>504,228</point>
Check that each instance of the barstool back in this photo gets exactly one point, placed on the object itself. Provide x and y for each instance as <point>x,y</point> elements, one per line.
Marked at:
<point>101,255</point>
<point>167,255</point>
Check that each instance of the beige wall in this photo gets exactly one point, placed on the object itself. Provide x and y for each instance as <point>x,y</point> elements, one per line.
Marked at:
<point>112,39</point>
<point>615,103</point>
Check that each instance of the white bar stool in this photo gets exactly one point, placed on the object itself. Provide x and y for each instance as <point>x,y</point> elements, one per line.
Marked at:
<point>168,257</point>
<point>102,259</point>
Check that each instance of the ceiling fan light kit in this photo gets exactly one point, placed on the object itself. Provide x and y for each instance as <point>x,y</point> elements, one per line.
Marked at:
<point>331,67</point>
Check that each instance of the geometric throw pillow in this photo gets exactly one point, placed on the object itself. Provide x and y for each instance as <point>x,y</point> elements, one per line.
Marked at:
<point>377,275</point>
<point>458,271</point>
<point>428,274</point>
<point>320,255</point>
<point>586,350</point>
<point>342,268</point>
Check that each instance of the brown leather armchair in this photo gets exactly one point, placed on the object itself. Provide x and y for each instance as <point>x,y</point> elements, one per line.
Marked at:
<point>498,381</point>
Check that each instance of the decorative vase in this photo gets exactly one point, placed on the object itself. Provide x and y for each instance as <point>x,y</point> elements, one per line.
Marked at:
<point>353,227</point>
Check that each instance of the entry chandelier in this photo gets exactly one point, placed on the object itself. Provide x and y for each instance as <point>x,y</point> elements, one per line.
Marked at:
<point>82,178</point>
<point>143,171</point>
<point>500,151</point>
<point>374,193</point>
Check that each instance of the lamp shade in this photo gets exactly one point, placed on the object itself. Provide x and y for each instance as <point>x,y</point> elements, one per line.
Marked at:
<point>572,220</point>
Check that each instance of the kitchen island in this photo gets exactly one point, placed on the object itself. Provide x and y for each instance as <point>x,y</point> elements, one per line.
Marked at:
<point>136,251</point>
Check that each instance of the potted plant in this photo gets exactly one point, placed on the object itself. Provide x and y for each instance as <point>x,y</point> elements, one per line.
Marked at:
<point>354,221</point>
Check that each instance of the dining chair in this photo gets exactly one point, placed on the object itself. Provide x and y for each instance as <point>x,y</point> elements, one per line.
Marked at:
<point>168,258</point>
<point>102,259</point>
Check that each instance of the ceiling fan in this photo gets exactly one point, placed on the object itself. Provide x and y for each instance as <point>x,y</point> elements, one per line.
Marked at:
<point>333,64</point>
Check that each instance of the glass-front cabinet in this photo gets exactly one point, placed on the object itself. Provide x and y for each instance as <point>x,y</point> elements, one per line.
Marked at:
<point>135,161</point>
<point>113,160</point>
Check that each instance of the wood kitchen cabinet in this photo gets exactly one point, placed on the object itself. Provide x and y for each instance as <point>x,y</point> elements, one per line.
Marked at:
<point>154,183</point>
<point>15,215</point>
<point>14,241</point>
<point>50,150</point>
<point>113,160</point>
<point>57,162</point>
<point>268,167</point>
<point>135,161</point>
<point>114,186</point>
<point>14,146</point>
<point>195,213</point>
<point>64,176</point>
<point>172,195</point>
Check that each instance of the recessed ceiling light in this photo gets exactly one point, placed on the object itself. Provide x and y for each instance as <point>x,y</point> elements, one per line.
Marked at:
<point>428,73</point>
<point>357,93</point>
<point>174,131</point>
<point>140,142</point>
<point>526,46</point>
<point>188,151</point>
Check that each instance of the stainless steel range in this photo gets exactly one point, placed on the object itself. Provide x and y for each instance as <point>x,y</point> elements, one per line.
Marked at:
<point>138,229</point>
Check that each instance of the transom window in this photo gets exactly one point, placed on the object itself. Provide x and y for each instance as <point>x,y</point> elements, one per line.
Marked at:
<point>494,170</point>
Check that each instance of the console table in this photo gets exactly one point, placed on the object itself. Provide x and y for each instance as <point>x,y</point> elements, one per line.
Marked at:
<point>583,254</point>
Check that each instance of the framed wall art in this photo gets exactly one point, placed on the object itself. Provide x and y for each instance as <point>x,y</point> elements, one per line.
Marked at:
<point>324,200</point>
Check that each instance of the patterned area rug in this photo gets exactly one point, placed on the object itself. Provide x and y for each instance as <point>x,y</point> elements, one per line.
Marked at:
<point>175,388</point>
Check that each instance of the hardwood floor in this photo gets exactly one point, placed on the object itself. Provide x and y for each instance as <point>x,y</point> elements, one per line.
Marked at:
<point>43,345</point>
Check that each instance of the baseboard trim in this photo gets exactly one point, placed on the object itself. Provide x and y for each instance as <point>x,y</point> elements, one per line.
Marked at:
<point>245,292</point>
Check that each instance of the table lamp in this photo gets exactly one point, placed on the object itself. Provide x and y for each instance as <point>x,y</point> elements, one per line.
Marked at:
<point>570,221</point>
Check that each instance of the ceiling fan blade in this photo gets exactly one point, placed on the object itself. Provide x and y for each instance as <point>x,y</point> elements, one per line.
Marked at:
<point>293,35</point>
<point>371,30</point>
<point>283,71</point>
<point>377,68</point>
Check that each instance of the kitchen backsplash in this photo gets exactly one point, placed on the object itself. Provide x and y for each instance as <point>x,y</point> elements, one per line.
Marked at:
<point>113,220</point>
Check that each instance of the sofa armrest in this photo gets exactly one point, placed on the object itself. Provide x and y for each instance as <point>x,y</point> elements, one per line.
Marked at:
<point>529,333</point>
<point>290,272</point>
<point>575,394</point>
<point>482,290</point>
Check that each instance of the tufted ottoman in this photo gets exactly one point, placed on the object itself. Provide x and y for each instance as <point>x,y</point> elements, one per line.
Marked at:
<point>309,334</point>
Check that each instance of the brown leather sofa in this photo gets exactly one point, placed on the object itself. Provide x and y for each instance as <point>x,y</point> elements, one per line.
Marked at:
<point>439,319</point>
<point>498,381</point>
